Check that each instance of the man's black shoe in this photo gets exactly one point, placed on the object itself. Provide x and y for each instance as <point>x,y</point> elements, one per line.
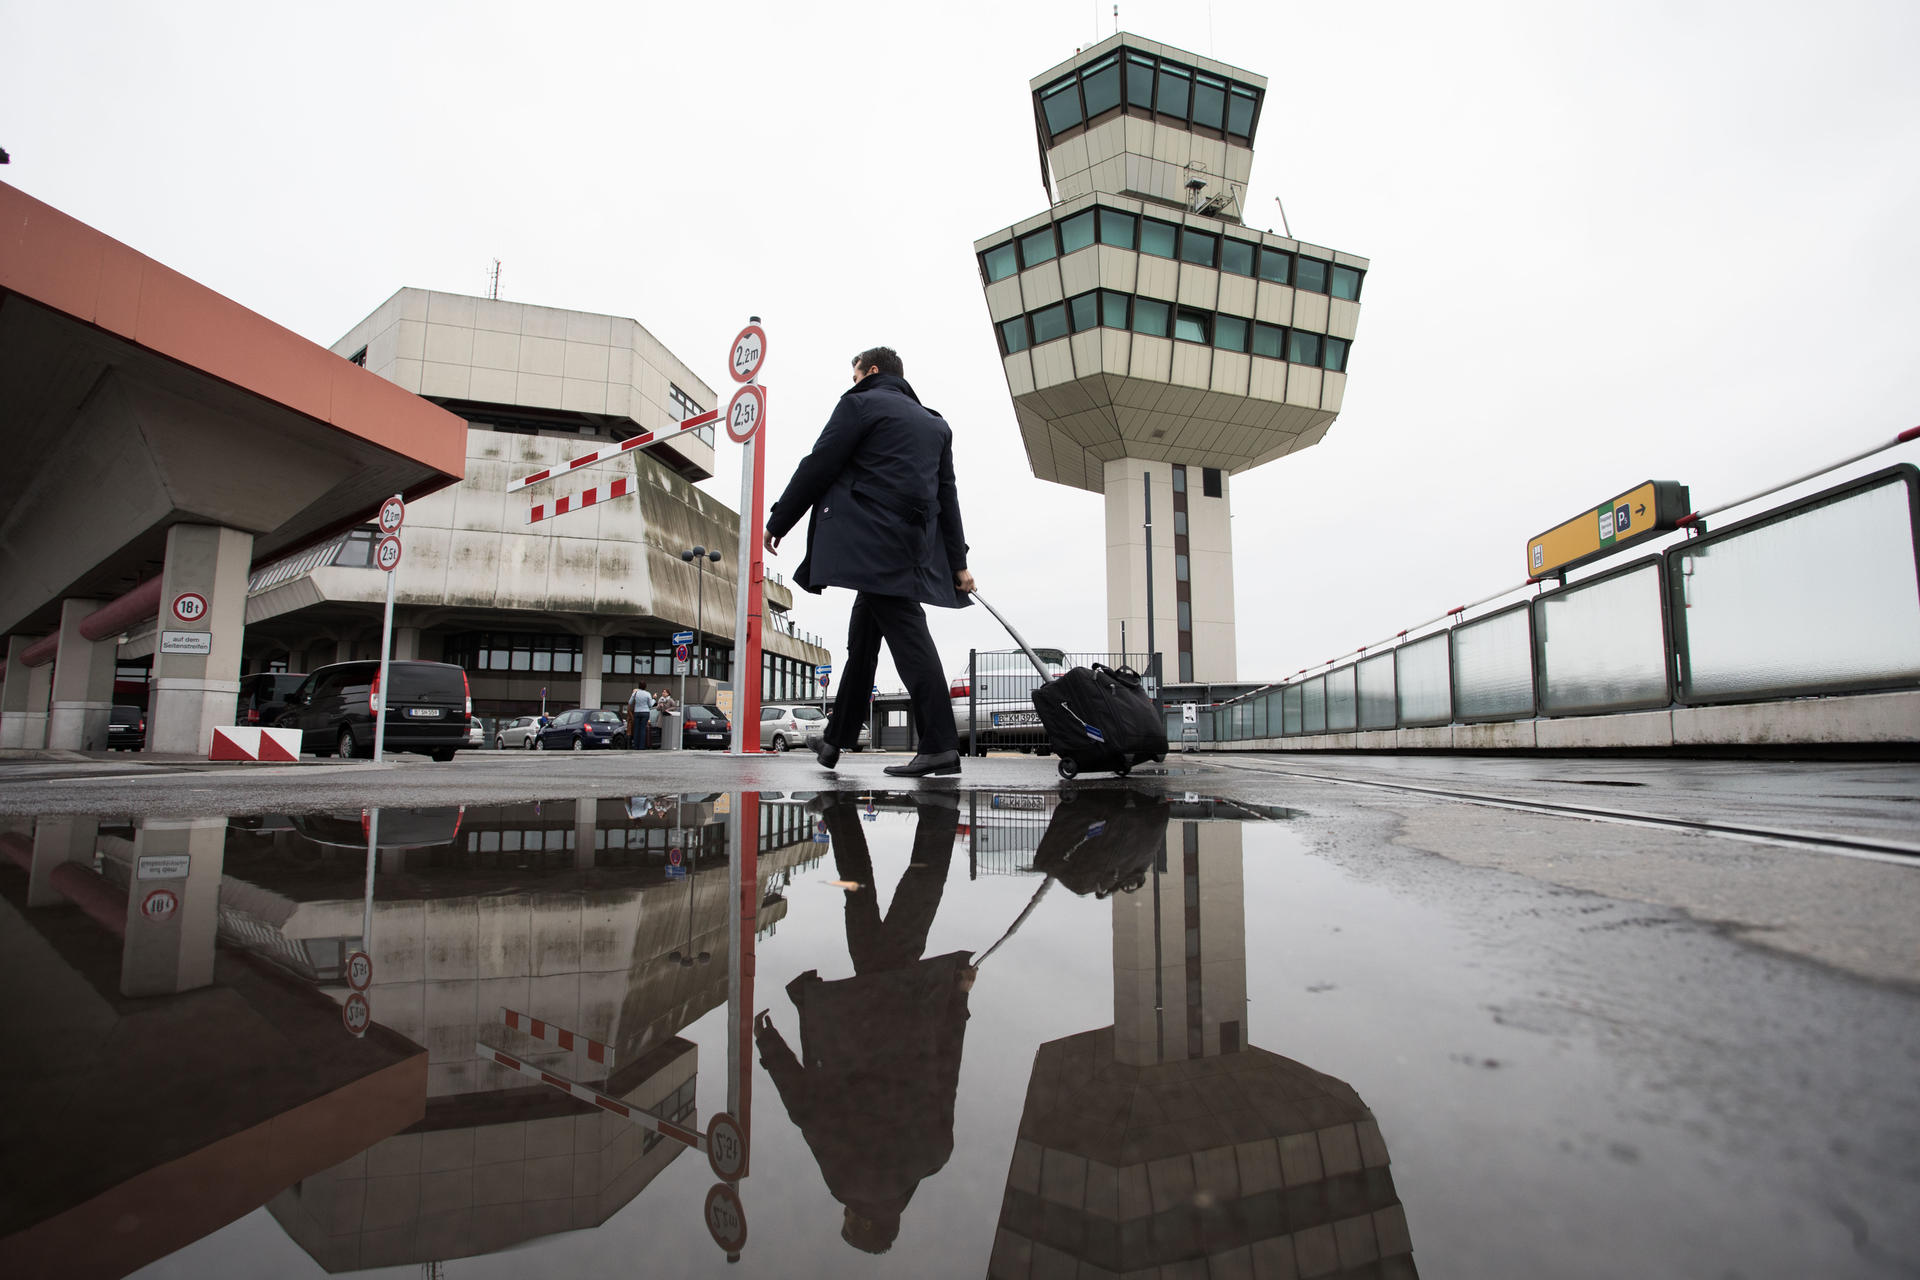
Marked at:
<point>923,764</point>
<point>824,751</point>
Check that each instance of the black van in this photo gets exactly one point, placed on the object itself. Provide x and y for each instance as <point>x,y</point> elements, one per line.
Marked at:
<point>428,708</point>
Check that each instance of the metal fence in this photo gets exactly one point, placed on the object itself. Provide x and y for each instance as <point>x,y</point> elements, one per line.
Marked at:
<point>994,711</point>
<point>1816,596</point>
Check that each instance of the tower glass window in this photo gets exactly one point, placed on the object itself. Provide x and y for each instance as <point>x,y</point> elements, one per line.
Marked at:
<point>1140,81</point>
<point>1304,348</point>
<point>1209,101</point>
<point>1150,317</point>
<point>1101,84</point>
<point>1240,107</point>
<point>1346,283</point>
<point>1270,341</point>
<point>1116,228</point>
<point>1076,232</point>
<point>1013,334</point>
<point>1179,479</point>
<point>1276,266</point>
<point>1337,355</point>
<point>1157,238</point>
<point>1230,333</point>
<point>1176,88</point>
<point>1085,311</point>
<point>1199,248</point>
<point>1311,275</point>
<point>1036,246</point>
<point>999,262</point>
<point>1061,104</point>
<point>1190,325</point>
<point>1050,323</point>
<point>1210,482</point>
<point>1180,569</point>
<point>1113,309</point>
<point>1236,256</point>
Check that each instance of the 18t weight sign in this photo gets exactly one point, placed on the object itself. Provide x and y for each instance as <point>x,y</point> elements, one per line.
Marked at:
<point>749,353</point>
<point>748,407</point>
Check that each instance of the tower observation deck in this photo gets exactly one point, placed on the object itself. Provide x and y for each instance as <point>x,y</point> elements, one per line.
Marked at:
<point>1147,331</point>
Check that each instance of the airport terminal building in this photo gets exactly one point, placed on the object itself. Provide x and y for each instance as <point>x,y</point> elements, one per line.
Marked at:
<point>192,489</point>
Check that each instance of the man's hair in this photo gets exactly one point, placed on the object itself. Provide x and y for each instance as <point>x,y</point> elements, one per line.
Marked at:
<point>886,359</point>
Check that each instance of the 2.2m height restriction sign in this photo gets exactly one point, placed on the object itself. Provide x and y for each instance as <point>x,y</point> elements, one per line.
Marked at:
<point>749,353</point>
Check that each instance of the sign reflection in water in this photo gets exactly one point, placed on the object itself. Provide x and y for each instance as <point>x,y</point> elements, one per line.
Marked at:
<point>481,922</point>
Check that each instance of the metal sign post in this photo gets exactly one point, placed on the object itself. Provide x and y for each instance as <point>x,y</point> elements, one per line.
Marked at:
<point>393,513</point>
<point>746,424</point>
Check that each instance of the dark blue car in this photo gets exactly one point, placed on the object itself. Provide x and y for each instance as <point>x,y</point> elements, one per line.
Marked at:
<point>581,730</point>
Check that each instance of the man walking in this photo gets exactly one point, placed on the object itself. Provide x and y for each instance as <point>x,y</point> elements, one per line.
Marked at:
<point>886,524</point>
<point>640,712</point>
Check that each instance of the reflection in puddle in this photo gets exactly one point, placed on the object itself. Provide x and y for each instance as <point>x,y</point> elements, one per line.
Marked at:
<point>420,1035</point>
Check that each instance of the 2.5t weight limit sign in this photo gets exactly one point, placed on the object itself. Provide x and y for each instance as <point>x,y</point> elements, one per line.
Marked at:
<point>748,407</point>
<point>387,553</point>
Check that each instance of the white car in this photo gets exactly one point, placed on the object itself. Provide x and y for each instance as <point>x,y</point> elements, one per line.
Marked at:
<point>786,726</point>
<point>517,732</point>
<point>1003,704</point>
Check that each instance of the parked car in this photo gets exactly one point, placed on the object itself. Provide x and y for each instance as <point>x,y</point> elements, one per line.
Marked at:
<point>126,728</point>
<point>476,731</point>
<point>787,725</point>
<point>517,732</point>
<point>263,696</point>
<point>581,729</point>
<point>1003,705</point>
<point>705,728</point>
<point>429,707</point>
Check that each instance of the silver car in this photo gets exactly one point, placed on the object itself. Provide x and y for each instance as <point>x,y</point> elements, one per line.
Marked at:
<point>1004,702</point>
<point>517,732</point>
<point>785,726</point>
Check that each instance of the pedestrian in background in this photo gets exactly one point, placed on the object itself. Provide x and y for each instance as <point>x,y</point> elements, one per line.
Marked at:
<point>640,712</point>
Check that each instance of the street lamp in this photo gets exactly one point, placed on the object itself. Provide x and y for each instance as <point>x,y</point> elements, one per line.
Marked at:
<point>698,558</point>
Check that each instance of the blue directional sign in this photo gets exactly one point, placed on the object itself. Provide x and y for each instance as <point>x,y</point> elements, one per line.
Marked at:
<point>683,637</point>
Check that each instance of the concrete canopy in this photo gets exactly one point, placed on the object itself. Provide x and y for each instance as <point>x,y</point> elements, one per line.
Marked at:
<point>136,399</point>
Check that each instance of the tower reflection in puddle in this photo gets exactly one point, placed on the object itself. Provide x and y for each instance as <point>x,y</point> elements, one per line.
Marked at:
<point>1168,1139</point>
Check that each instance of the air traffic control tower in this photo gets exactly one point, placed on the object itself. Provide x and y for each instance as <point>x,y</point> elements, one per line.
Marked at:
<point>1147,331</point>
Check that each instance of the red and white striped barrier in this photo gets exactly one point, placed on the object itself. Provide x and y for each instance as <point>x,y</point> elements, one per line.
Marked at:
<point>541,1030</point>
<point>618,489</point>
<point>613,451</point>
<point>645,1119</point>
<point>252,742</point>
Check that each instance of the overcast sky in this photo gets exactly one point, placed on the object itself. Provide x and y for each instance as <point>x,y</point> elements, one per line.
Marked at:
<point>1610,242</point>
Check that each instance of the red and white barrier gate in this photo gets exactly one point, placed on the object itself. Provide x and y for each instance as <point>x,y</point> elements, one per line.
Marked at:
<point>254,742</point>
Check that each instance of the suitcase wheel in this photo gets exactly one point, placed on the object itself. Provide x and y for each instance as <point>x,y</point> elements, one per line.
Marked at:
<point>1068,768</point>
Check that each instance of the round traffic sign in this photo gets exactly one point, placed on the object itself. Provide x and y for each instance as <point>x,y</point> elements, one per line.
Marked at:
<point>357,1014</point>
<point>160,905</point>
<point>189,606</point>
<point>749,353</point>
<point>393,513</point>
<point>744,411</point>
<point>673,856</point>
<point>387,554</point>
<point>359,971</point>
<point>679,653</point>
<point>726,1146</point>
<point>726,1218</point>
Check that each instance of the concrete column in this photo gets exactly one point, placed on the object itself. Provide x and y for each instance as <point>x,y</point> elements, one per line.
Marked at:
<point>193,692</point>
<point>16,701</point>
<point>39,690</point>
<point>1210,569</point>
<point>57,841</point>
<point>586,821</point>
<point>173,951</point>
<point>82,683</point>
<point>592,649</point>
<point>342,649</point>
<point>406,643</point>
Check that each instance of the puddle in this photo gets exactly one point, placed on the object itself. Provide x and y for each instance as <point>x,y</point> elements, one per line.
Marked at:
<point>917,1033</point>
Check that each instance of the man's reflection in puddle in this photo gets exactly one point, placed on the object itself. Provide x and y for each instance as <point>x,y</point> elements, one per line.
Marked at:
<point>872,1089</point>
<point>1167,1140</point>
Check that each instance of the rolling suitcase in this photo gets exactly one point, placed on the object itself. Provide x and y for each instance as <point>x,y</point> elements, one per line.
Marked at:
<point>1098,719</point>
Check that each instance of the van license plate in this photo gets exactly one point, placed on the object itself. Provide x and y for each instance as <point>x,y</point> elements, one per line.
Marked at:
<point>423,713</point>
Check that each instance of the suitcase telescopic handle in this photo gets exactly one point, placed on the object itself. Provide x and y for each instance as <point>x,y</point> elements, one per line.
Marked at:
<point>1018,639</point>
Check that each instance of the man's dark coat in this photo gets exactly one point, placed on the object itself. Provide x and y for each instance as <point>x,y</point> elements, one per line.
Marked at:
<point>886,514</point>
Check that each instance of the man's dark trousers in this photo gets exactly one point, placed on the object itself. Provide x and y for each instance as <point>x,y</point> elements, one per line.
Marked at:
<point>903,625</point>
